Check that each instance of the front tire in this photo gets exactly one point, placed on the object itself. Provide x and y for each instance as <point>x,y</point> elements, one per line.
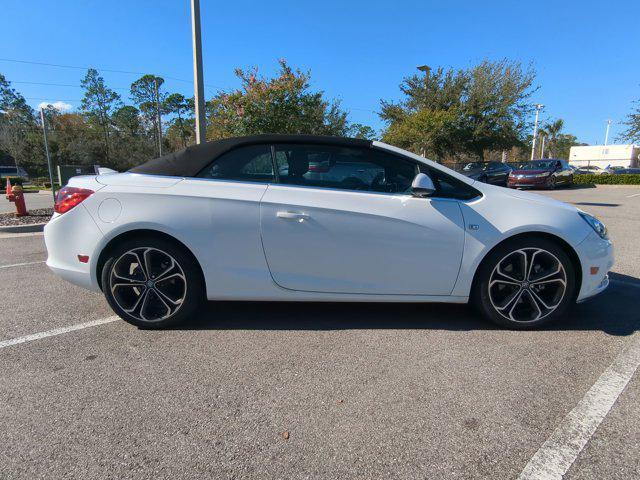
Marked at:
<point>525,283</point>
<point>152,282</point>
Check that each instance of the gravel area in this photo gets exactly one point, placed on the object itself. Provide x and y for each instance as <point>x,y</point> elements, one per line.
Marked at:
<point>40,215</point>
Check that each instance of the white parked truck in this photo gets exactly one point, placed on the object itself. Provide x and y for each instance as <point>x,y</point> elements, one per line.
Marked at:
<point>604,156</point>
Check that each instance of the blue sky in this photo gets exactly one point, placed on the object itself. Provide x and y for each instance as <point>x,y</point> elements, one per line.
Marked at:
<point>586,54</point>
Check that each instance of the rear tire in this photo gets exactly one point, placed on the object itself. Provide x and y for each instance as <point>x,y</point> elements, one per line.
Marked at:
<point>525,283</point>
<point>152,282</point>
<point>551,184</point>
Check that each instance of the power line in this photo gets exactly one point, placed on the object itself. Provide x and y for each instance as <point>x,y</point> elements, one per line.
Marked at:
<point>60,84</point>
<point>76,67</point>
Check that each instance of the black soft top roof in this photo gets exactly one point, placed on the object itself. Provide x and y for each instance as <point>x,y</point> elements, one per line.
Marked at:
<point>191,160</point>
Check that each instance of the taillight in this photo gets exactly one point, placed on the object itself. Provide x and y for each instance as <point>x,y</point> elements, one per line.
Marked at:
<point>69,197</point>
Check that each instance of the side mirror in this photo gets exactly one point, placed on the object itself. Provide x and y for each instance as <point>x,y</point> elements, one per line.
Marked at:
<point>422,186</point>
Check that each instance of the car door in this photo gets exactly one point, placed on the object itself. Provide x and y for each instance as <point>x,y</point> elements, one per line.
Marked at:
<point>358,231</point>
<point>225,197</point>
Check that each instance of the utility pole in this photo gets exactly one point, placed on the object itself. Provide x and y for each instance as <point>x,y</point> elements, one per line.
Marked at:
<point>542,149</point>
<point>198,78</point>
<point>606,135</point>
<point>539,107</point>
<point>46,149</point>
<point>158,115</point>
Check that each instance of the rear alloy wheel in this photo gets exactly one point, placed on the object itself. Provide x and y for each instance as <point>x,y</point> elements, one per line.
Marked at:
<point>551,183</point>
<point>152,283</point>
<point>526,284</point>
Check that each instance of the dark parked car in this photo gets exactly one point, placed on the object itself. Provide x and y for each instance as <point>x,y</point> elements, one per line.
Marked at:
<point>541,174</point>
<point>495,173</point>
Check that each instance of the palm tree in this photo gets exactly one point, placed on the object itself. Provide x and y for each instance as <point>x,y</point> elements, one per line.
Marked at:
<point>552,131</point>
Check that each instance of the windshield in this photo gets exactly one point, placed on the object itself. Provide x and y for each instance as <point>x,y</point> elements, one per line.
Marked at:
<point>475,166</point>
<point>537,165</point>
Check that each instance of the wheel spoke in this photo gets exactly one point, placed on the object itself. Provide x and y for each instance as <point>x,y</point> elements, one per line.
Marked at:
<point>553,280</point>
<point>128,285</point>
<point>504,282</point>
<point>128,280</point>
<point>523,261</point>
<point>558,270</point>
<point>531,264</point>
<point>532,302</point>
<point>513,299</point>
<point>165,274</point>
<point>166,297</point>
<point>139,301</point>
<point>540,301</point>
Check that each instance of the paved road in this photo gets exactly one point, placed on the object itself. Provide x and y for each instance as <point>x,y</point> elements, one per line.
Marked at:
<point>365,391</point>
<point>33,201</point>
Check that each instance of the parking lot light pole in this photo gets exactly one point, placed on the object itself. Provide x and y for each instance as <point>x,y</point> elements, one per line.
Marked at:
<point>46,149</point>
<point>606,135</point>
<point>198,77</point>
<point>539,107</point>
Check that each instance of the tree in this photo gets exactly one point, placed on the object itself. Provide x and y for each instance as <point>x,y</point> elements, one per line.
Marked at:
<point>20,137</point>
<point>551,131</point>
<point>283,104</point>
<point>563,145</point>
<point>98,104</point>
<point>632,122</point>
<point>483,108</point>
<point>127,120</point>
<point>143,94</point>
<point>13,103</point>
<point>177,105</point>
<point>358,130</point>
<point>427,132</point>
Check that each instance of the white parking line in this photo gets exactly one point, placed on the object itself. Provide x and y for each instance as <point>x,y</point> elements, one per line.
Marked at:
<point>561,449</point>
<point>634,195</point>
<point>22,264</point>
<point>57,331</point>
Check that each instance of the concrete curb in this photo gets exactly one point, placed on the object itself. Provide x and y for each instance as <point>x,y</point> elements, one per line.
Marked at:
<point>33,227</point>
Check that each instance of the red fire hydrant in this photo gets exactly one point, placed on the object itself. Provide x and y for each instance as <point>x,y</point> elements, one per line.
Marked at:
<point>16,195</point>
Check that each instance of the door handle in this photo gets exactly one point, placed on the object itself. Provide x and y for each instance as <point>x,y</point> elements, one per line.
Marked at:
<point>293,216</point>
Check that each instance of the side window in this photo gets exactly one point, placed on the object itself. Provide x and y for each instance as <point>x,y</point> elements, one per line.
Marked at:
<point>449,187</point>
<point>247,164</point>
<point>345,168</point>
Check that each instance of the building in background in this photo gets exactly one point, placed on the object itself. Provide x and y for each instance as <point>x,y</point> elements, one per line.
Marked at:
<point>605,156</point>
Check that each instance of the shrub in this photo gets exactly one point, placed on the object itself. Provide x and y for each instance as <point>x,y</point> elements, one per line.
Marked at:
<point>628,179</point>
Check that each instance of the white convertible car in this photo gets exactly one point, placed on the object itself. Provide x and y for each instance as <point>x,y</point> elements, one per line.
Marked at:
<point>310,218</point>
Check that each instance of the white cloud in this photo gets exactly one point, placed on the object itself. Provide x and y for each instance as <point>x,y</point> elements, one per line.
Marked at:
<point>59,105</point>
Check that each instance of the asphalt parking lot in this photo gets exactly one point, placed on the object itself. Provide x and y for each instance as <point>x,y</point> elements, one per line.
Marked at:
<point>362,391</point>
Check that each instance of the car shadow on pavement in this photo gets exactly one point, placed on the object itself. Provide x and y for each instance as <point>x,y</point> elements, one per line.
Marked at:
<point>614,312</point>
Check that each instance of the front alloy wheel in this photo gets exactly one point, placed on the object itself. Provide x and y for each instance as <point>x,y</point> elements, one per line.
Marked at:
<point>525,284</point>
<point>152,283</point>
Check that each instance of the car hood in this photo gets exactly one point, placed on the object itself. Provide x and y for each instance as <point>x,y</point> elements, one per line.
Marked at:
<point>508,194</point>
<point>530,172</point>
<point>472,173</point>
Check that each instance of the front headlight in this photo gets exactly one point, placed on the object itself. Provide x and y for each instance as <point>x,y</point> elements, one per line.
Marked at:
<point>542,175</point>
<point>596,224</point>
